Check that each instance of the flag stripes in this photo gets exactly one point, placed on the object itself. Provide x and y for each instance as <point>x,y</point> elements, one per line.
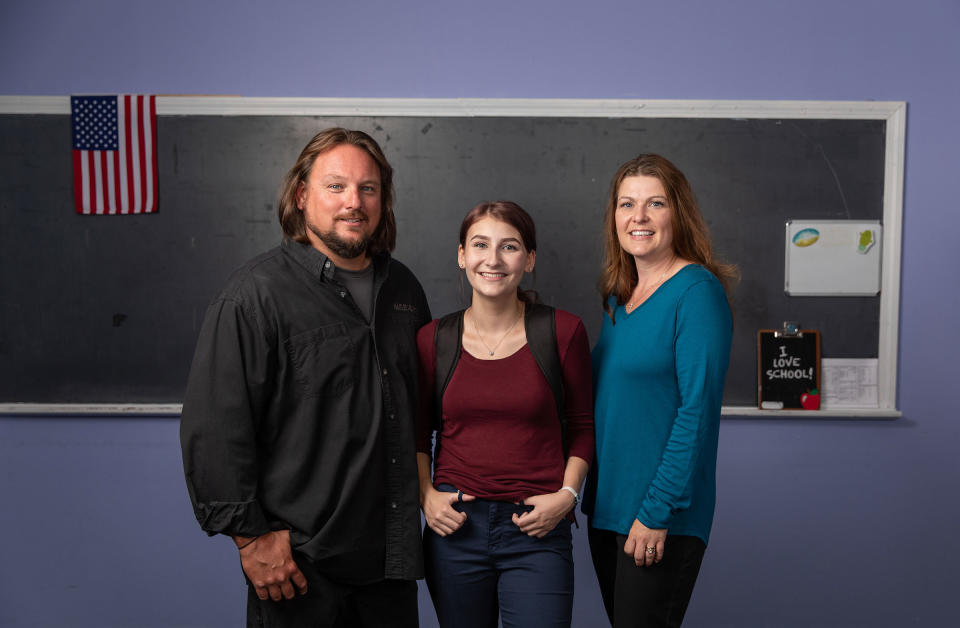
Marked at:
<point>114,156</point>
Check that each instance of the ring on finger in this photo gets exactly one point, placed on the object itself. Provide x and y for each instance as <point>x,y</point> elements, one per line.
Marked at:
<point>651,551</point>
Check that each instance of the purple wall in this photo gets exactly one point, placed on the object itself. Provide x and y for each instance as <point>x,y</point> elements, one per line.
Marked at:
<point>833,523</point>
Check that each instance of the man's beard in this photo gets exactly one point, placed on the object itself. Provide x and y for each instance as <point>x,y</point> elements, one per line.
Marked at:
<point>340,247</point>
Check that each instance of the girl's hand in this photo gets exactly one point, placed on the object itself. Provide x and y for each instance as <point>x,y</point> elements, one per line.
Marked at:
<point>439,512</point>
<point>547,512</point>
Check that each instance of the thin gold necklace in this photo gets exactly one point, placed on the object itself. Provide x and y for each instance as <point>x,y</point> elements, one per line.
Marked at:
<point>630,306</point>
<point>494,349</point>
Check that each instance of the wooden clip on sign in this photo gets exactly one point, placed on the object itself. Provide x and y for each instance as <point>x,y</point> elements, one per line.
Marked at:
<point>788,368</point>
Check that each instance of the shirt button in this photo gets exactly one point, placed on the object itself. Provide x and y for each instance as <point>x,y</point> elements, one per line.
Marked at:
<point>343,294</point>
<point>392,416</point>
<point>393,461</point>
<point>384,371</point>
<point>393,505</point>
<point>327,265</point>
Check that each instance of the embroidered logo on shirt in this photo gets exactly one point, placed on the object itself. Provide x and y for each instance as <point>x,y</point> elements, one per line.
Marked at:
<point>404,307</point>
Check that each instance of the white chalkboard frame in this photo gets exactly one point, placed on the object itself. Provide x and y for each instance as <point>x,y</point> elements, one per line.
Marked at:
<point>893,113</point>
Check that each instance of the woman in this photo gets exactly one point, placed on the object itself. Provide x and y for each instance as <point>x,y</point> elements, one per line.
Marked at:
<point>659,370</point>
<point>499,506</point>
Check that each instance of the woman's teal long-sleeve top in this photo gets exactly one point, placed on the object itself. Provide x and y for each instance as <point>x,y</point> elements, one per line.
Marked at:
<point>658,383</point>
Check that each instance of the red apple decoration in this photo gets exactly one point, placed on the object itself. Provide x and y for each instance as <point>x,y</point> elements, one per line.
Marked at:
<point>810,400</point>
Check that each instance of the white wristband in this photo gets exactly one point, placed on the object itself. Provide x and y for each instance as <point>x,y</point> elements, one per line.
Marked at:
<point>576,495</point>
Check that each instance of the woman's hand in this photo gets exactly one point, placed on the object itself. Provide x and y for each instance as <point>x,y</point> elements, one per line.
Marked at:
<point>645,544</point>
<point>439,512</point>
<point>547,512</point>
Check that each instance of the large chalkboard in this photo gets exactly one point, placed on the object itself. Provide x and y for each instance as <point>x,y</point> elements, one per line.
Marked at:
<point>107,309</point>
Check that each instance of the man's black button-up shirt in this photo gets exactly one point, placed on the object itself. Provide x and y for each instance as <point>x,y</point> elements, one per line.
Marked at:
<point>280,428</point>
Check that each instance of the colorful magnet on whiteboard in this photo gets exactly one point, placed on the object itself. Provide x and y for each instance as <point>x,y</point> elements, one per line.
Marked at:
<point>806,237</point>
<point>866,241</point>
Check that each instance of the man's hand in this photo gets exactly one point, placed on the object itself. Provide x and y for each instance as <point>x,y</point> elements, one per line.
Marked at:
<point>268,563</point>
<point>645,544</point>
<point>439,513</point>
<point>547,512</point>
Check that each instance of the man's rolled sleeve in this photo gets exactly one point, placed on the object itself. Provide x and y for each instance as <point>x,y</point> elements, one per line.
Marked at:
<point>218,424</point>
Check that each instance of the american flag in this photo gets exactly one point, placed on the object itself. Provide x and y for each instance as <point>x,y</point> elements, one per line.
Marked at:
<point>114,154</point>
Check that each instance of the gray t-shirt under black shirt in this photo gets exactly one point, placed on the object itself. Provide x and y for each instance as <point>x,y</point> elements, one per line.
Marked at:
<point>360,285</point>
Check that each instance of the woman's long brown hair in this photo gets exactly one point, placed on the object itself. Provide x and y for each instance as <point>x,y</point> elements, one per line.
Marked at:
<point>691,238</point>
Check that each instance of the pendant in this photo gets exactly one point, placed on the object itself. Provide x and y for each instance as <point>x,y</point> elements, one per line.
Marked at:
<point>491,353</point>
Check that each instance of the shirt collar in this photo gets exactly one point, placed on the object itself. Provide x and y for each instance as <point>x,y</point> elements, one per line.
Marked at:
<point>322,266</point>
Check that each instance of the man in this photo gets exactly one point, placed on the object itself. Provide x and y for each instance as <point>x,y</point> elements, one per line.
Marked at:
<point>298,421</point>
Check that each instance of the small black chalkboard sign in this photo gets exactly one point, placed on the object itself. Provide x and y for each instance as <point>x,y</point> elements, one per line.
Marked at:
<point>788,370</point>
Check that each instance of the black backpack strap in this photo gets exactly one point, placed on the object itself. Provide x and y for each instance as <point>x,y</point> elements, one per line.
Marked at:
<point>541,328</point>
<point>446,341</point>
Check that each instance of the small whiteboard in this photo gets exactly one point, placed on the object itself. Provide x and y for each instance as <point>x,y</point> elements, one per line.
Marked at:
<point>832,258</point>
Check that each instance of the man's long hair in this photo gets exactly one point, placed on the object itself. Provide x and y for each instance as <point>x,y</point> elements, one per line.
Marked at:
<point>384,238</point>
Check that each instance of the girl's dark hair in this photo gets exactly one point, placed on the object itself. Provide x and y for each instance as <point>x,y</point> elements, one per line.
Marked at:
<point>515,216</point>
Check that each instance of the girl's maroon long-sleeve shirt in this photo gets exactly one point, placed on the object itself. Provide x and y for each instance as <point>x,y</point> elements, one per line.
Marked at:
<point>501,436</point>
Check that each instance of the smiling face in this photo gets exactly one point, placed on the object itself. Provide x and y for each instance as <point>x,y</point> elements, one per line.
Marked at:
<point>644,219</point>
<point>341,202</point>
<point>495,259</point>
